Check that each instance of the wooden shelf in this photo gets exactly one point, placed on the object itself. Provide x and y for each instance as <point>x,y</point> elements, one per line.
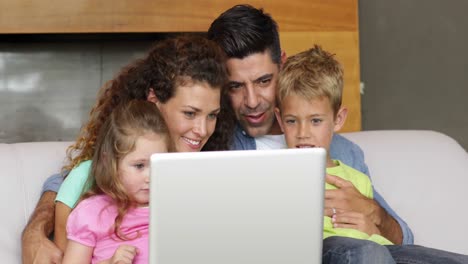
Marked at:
<point>332,24</point>
<point>91,16</point>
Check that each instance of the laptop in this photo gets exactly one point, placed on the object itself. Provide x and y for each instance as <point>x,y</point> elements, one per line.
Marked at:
<point>258,206</point>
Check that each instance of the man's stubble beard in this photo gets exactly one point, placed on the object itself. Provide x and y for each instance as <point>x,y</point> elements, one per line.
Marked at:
<point>257,131</point>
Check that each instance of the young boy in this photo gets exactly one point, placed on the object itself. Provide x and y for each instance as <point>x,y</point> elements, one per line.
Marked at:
<point>309,111</point>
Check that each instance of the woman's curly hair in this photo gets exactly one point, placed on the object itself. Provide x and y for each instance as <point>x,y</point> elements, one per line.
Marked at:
<point>168,63</point>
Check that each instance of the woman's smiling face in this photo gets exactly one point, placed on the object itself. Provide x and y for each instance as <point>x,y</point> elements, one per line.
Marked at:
<point>191,115</point>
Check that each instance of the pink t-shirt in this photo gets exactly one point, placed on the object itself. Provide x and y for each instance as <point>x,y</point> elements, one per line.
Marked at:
<point>90,224</point>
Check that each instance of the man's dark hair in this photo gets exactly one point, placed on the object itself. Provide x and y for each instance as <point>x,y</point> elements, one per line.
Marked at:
<point>244,30</point>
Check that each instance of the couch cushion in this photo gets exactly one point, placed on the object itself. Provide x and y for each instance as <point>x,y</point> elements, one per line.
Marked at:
<point>423,175</point>
<point>25,166</point>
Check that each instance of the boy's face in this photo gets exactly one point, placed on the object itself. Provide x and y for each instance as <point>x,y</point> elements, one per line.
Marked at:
<point>309,123</point>
<point>252,85</point>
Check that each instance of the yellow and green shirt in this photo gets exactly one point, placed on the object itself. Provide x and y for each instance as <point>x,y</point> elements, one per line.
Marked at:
<point>364,186</point>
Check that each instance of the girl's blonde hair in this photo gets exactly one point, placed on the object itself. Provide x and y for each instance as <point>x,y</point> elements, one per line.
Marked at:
<point>115,140</point>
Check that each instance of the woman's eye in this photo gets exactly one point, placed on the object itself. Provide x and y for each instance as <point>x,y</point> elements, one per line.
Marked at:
<point>212,116</point>
<point>290,121</point>
<point>189,114</point>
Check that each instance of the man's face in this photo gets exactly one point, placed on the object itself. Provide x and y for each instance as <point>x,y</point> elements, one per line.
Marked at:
<point>252,89</point>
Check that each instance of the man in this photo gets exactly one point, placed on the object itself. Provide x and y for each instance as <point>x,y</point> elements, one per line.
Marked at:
<point>36,246</point>
<point>251,41</point>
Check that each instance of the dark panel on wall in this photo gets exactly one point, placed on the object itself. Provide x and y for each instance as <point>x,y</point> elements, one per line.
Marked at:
<point>414,64</point>
<point>48,84</point>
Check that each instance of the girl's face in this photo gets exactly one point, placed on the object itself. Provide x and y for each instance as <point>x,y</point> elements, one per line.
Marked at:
<point>134,168</point>
<point>191,115</point>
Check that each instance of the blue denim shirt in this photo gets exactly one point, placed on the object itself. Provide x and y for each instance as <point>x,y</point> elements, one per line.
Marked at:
<point>53,183</point>
<point>341,149</point>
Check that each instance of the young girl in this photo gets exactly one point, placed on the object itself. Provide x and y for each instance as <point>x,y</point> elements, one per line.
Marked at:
<point>110,224</point>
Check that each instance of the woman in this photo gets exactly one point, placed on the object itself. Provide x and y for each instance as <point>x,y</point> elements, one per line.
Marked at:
<point>184,77</point>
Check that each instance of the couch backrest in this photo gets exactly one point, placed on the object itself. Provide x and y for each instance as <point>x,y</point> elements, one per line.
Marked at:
<point>24,168</point>
<point>423,175</point>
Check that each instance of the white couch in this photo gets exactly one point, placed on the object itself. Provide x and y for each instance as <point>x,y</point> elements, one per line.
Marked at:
<point>422,174</point>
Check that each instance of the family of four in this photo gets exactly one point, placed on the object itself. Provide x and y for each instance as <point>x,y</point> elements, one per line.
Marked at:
<point>234,90</point>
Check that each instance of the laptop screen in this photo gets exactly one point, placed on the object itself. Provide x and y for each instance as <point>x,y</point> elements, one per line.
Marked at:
<point>237,207</point>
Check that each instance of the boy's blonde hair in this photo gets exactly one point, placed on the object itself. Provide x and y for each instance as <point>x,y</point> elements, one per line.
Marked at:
<point>312,74</point>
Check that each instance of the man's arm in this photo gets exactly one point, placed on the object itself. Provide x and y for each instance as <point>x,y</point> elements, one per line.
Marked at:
<point>408,237</point>
<point>352,155</point>
<point>388,226</point>
<point>386,219</point>
<point>36,246</point>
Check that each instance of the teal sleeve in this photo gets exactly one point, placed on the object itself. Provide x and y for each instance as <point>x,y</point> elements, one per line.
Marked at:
<point>73,185</point>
